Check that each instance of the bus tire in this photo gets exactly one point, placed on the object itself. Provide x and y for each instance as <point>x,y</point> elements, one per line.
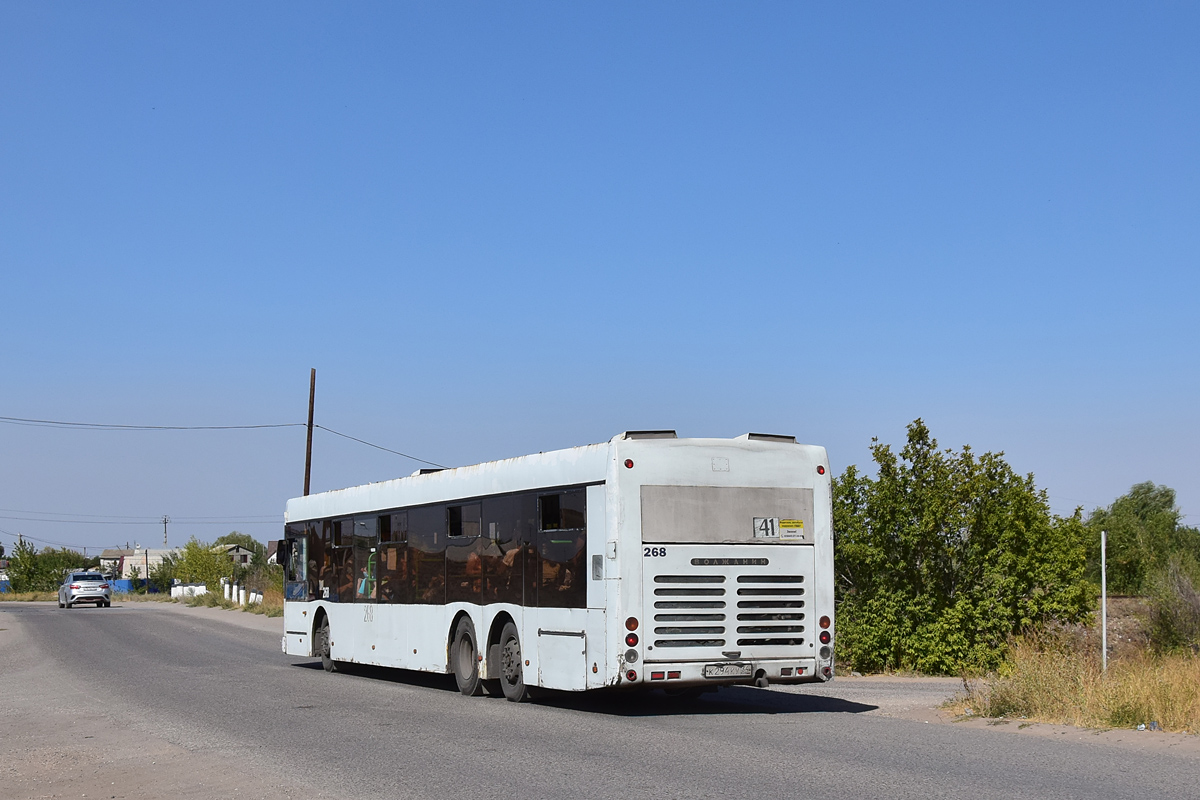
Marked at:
<point>324,648</point>
<point>512,673</point>
<point>464,658</point>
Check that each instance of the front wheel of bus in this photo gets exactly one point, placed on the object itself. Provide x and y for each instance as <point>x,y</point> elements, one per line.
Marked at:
<point>465,657</point>
<point>512,675</point>
<point>323,647</point>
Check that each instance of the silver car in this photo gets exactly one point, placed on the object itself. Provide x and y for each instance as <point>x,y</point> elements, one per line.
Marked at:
<point>85,587</point>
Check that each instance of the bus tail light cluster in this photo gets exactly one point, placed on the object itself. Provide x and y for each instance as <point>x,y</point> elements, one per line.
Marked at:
<point>825,636</point>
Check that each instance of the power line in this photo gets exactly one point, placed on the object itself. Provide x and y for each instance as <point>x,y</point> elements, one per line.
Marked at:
<point>380,447</point>
<point>106,426</point>
<point>135,517</point>
<point>59,544</point>
<point>180,521</point>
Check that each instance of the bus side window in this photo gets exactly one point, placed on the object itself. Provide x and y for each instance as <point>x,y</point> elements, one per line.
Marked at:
<point>562,547</point>
<point>427,553</point>
<point>366,551</point>
<point>343,561</point>
<point>508,525</point>
<point>393,553</point>
<point>464,558</point>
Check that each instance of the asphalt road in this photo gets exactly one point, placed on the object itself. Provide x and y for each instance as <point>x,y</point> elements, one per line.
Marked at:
<point>224,692</point>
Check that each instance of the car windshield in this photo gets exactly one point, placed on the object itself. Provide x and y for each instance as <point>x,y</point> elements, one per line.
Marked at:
<point>89,576</point>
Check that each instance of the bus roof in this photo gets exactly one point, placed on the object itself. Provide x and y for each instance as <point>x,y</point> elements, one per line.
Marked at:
<point>586,464</point>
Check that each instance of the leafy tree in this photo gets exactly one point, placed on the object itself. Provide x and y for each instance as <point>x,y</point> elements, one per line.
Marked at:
<point>26,573</point>
<point>198,563</point>
<point>1,551</point>
<point>163,574</point>
<point>1145,532</point>
<point>943,556</point>
<point>33,571</point>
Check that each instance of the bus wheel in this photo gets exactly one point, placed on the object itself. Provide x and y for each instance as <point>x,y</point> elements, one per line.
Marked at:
<point>512,676</point>
<point>464,657</point>
<point>323,647</point>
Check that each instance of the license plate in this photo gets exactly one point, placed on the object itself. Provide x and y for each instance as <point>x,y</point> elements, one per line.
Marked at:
<point>731,670</point>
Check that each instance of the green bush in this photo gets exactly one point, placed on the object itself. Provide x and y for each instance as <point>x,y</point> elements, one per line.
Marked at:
<point>1175,607</point>
<point>1145,532</point>
<point>33,571</point>
<point>943,556</point>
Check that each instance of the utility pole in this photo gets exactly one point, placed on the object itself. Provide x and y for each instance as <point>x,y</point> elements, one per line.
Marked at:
<point>165,520</point>
<point>312,395</point>
<point>1104,601</point>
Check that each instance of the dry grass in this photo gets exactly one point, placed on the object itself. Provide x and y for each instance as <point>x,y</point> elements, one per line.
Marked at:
<point>271,606</point>
<point>30,597</point>
<point>1057,678</point>
<point>148,597</point>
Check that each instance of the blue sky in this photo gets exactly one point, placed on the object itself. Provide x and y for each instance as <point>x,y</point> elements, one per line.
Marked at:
<point>496,229</point>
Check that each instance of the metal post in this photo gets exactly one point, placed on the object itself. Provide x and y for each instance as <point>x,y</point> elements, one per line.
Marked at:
<point>312,394</point>
<point>165,520</point>
<point>1104,600</point>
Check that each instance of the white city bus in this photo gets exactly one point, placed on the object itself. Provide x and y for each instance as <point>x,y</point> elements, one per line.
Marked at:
<point>648,561</point>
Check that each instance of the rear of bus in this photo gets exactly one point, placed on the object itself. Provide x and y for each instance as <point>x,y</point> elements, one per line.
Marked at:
<point>727,560</point>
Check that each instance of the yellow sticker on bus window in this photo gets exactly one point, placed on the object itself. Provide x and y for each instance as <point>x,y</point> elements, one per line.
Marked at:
<point>791,523</point>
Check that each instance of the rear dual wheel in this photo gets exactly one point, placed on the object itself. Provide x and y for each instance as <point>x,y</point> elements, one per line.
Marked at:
<point>464,657</point>
<point>512,665</point>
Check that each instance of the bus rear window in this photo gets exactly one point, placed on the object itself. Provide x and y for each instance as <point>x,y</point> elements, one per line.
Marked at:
<point>717,514</point>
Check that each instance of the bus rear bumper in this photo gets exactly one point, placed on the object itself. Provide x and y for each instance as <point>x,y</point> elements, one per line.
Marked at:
<point>670,675</point>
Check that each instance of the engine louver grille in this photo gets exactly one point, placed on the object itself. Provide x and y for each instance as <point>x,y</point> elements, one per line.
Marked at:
<point>770,610</point>
<point>694,615</point>
<point>690,610</point>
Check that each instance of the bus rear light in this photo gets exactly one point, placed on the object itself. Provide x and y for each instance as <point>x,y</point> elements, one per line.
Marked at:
<point>631,624</point>
<point>828,672</point>
<point>824,623</point>
<point>785,672</point>
<point>629,463</point>
<point>820,469</point>
<point>631,675</point>
<point>631,640</point>
<point>673,675</point>
<point>825,637</point>
<point>657,676</point>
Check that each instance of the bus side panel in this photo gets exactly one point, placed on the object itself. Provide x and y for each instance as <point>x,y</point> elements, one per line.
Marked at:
<point>391,646</point>
<point>562,648</point>
<point>428,637</point>
<point>351,631</point>
<point>595,565</point>
<point>298,627</point>
<point>597,645</point>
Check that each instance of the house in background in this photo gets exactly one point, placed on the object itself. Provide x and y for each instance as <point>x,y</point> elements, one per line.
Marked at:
<point>121,562</point>
<point>236,553</point>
